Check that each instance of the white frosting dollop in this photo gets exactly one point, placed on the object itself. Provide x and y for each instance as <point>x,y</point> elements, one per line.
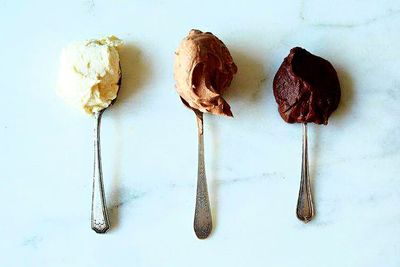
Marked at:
<point>89,73</point>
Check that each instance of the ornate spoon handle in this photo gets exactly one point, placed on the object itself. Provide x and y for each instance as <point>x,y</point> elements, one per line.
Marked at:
<point>99,221</point>
<point>202,216</point>
<point>305,207</point>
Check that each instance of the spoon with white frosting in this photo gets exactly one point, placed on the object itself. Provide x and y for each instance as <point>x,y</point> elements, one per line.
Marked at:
<point>89,78</point>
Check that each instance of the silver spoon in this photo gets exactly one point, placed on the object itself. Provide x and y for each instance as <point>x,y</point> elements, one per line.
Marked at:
<point>202,215</point>
<point>305,206</point>
<point>99,217</point>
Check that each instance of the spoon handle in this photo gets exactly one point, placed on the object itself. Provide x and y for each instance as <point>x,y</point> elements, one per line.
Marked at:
<point>99,221</point>
<point>202,216</point>
<point>305,207</point>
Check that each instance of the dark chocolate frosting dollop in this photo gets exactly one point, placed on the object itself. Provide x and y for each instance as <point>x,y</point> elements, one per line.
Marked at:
<point>306,88</point>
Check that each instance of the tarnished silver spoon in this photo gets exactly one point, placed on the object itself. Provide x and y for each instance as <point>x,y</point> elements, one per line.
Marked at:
<point>305,206</point>
<point>99,219</point>
<point>202,216</point>
<point>100,222</point>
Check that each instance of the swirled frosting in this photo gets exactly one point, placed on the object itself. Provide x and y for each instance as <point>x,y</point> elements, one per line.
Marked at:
<point>90,73</point>
<point>203,70</point>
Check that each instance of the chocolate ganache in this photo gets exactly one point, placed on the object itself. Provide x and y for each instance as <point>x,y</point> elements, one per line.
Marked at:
<point>306,88</point>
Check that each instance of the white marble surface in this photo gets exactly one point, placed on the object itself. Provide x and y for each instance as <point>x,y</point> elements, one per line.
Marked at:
<point>150,147</point>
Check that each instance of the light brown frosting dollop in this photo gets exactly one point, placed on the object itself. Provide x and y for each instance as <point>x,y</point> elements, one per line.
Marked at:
<point>203,70</point>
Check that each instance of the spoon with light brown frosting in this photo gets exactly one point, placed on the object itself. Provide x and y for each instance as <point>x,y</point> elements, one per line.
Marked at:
<point>203,70</point>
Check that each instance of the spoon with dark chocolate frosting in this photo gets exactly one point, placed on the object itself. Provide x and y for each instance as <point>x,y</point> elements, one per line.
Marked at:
<point>203,70</point>
<point>306,88</point>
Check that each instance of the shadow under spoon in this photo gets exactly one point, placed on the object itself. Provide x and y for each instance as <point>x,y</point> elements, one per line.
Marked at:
<point>202,217</point>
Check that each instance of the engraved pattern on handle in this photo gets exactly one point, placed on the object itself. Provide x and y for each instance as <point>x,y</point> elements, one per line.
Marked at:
<point>305,207</point>
<point>99,219</point>
<point>202,217</point>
